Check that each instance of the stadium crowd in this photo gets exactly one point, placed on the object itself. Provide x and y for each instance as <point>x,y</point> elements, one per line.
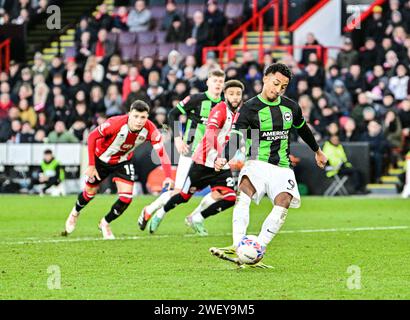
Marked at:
<point>362,95</point>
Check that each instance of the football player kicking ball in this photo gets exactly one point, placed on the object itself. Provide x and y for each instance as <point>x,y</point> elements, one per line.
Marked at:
<point>110,149</point>
<point>268,118</point>
<point>208,167</point>
<point>196,108</point>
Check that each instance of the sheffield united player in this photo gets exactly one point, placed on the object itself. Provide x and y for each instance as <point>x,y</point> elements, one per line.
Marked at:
<point>208,167</point>
<point>196,108</point>
<point>110,149</point>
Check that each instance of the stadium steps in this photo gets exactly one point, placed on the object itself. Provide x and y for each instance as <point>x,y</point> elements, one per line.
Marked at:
<point>39,37</point>
<point>389,183</point>
<point>252,42</point>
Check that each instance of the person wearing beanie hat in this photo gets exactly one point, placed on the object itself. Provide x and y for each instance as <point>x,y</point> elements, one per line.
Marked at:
<point>375,25</point>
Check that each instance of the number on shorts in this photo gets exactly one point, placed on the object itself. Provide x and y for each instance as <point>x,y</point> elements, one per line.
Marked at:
<point>292,184</point>
<point>230,182</point>
<point>129,169</point>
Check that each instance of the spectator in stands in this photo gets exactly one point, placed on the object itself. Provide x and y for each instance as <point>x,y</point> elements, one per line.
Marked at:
<point>83,26</point>
<point>88,82</point>
<point>216,21</point>
<point>22,18</point>
<point>176,33</point>
<point>60,134</point>
<point>375,25</point>
<point>406,15</point>
<point>155,94</point>
<point>331,76</point>
<point>390,62</point>
<point>25,78</point>
<point>43,123</point>
<point>355,82</point>
<point>15,131</point>
<point>347,56</point>
<point>337,160</point>
<point>59,111</point>
<point>27,113</point>
<point>378,147</point>
<point>27,133</point>
<point>147,67</point>
<point>40,66</point>
<point>96,69</point>
<point>56,66</point>
<point>160,117</point>
<point>120,19</point>
<point>190,77</point>
<point>362,103</point>
<point>394,22</point>
<point>139,18</point>
<point>102,20</point>
<point>199,34</point>
<point>314,74</point>
<point>83,48</point>
<point>392,131</point>
<point>404,115</point>
<point>341,98</point>
<point>210,64</point>
<point>310,41</point>
<point>173,62</point>
<point>5,105</point>
<point>171,13</point>
<point>399,84</point>
<point>39,136</point>
<point>26,92</point>
<point>96,100</point>
<point>133,75</point>
<point>252,75</point>
<point>136,93</point>
<point>349,132</point>
<point>113,101</point>
<point>103,49</point>
<point>368,54</point>
<point>5,124</point>
<point>326,116</point>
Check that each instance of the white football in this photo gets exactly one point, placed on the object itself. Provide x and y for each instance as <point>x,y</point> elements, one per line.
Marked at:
<point>249,250</point>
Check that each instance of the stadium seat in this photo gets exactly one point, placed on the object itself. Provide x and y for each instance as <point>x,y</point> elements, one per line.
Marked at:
<point>146,37</point>
<point>233,10</point>
<point>157,12</point>
<point>191,8</point>
<point>337,184</point>
<point>160,36</point>
<point>164,49</point>
<point>147,50</point>
<point>113,37</point>
<point>185,50</point>
<point>127,38</point>
<point>128,52</point>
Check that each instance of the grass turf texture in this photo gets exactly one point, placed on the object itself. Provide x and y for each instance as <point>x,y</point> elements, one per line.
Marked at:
<point>172,265</point>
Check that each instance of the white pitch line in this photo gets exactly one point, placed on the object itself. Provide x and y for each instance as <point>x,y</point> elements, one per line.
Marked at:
<point>30,241</point>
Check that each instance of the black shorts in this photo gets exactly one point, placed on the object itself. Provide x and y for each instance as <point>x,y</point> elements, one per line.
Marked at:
<point>123,171</point>
<point>200,176</point>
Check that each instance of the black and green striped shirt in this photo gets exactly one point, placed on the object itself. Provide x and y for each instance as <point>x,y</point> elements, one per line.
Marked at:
<point>267,125</point>
<point>197,108</point>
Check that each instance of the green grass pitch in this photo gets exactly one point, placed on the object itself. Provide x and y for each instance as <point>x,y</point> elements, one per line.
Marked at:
<point>311,256</point>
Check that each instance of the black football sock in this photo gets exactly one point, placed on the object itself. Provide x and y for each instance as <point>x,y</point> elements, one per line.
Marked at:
<point>116,210</point>
<point>217,207</point>
<point>83,199</point>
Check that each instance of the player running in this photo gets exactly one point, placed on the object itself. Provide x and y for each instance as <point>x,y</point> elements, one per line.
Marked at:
<point>196,108</point>
<point>110,149</point>
<point>267,119</point>
<point>202,172</point>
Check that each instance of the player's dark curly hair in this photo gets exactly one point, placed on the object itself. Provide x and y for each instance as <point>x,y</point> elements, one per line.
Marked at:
<point>279,67</point>
<point>234,84</point>
<point>140,106</point>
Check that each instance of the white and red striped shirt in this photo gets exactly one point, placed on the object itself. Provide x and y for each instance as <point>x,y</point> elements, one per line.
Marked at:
<point>216,136</point>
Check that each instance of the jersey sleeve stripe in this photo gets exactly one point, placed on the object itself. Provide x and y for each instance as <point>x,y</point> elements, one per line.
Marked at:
<point>180,107</point>
<point>301,125</point>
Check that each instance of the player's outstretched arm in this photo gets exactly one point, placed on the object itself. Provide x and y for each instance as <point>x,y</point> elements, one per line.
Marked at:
<point>306,134</point>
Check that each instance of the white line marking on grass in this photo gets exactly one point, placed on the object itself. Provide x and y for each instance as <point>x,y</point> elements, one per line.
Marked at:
<point>30,241</point>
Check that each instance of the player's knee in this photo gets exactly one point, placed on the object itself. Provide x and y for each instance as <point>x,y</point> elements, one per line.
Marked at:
<point>283,199</point>
<point>247,187</point>
<point>90,190</point>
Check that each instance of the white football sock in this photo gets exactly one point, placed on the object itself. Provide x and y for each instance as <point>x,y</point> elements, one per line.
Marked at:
<point>205,203</point>
<point>272,225</point>
<point>159,202</point>
<point>161,213</point>
<point>240,218</point>
<point>197,217</point>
